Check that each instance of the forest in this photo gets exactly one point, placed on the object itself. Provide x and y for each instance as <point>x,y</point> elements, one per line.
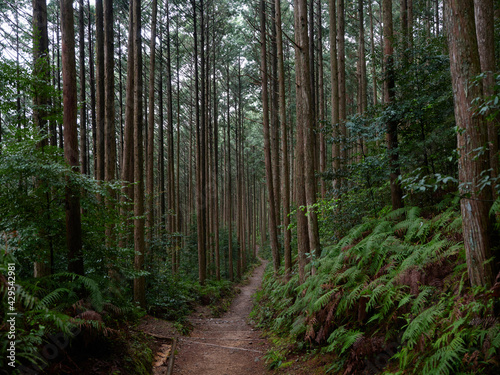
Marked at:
<point>154,155</point>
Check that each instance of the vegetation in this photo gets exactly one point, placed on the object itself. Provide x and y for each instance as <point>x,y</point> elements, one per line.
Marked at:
<point>149,151</point>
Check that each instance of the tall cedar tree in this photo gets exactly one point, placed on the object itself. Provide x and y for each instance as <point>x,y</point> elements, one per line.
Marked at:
<point>285,196</point>
<point>139,240</point>
<point>471,139</point>
<point>267,144</point>
<point>40,100</point>
<point>151,130</point>
<point>332,8</point>
<point>389,92</point>
<point>73,219</point>
<point>100,96</point>
<point>305,120</point>
<point>83,104</point>
<point>485,29</point>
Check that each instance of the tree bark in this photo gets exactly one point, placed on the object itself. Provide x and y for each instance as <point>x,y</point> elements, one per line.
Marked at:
<point>100,95</point>
<point>267,146</point>
<point>139,240</point>
<point>332,7</point>
<point>73,219</point>
<point>485,30</point>
<point>83,104</point>
<point>41,70</point>
<point>151,131</point>
<point>471,137</point>
<point>305,108</point>
<point>392,125</point>
<point>285,196</point>
<point>342,84</point>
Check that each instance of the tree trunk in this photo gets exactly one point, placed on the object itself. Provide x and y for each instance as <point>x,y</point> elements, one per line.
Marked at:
<point>229,193</point>
<point>275,125</point>
<point>200,149</point>
<point>285,196</point>
<point>139,242</point>
<point>342,84</point>
<point>332,7</point>
<point>362,97</point>
<point>73,219</point>
<point>305,111</point>
<point>92,90</point>
<point>471,137</point>
<point>392,124</point>
<point>373,57</point>
<point>151,131</point>
<point>267,146</point>
<point>321,103</point>
<point>41,70</point>
<point>100,95</point>
<point>83,108</point>
<point>485,30</point>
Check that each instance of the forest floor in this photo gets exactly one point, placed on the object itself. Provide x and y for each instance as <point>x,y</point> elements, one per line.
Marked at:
<point>219,346</point>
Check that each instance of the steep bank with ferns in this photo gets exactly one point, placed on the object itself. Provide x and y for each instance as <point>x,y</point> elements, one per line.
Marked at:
<point>392,296</point>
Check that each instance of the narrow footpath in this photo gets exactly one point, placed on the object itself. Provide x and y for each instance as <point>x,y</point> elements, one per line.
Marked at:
<point>227,345</point>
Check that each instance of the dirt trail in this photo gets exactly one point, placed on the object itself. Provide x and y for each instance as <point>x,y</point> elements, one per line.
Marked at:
<point>227,345</point>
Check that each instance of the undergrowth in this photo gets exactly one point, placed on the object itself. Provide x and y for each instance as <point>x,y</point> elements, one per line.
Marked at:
<point>390,297</point>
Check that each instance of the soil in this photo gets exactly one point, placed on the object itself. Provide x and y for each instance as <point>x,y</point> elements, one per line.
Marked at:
<point>228,345</point>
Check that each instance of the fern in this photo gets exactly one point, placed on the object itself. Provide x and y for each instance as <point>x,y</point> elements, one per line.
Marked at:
<point>342,339</point>
<point>421,324</point>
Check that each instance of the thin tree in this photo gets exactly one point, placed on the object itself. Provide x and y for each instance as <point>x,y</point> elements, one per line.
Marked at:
<point>332,8</point>
<point>151,130</point>
<point>139,240</point>
<point>40,99</point>
<point>389,93</point>
<point>267,146</point>
<point>285,196</point>
<point>83,104</point>
<point>100,95</point>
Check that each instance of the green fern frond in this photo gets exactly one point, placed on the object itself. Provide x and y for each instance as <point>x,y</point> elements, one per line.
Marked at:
<point>422,323</point>
<point>52,298</point>
<point>421,300</point>
<point>95,294</point>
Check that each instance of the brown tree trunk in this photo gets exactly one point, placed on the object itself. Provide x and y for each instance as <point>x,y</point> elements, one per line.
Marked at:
<point>100,95</point>
<point>127,172</point>
<point>200,149</point>
<point>229,193</point>
<point>170,147</point>
<point>151,131</point>
<point>41,70</point>
<point>92,89</point>
<point>342,83</point>
<point>305,111</point>
<point>139,240</point>
<point>362,97</point>
<point>332,7</point>
<point>373,64</point>
<point>275,125</point>
<point>485,30</point>
<point>73,219</point>
<point>109,93</point>
<point>285,196</point>
<point>321,103</point>
<point>83,108</point>
<point>267,146</point>
<point>471,137</point>
<point>392,124</point>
